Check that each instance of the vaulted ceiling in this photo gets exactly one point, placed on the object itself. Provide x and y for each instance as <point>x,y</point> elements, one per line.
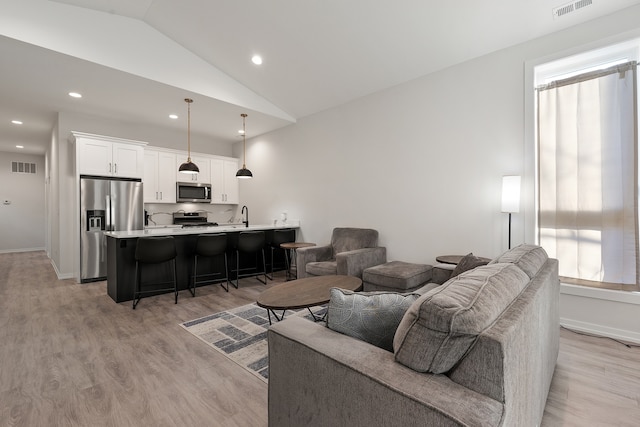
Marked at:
<point>136,60</point>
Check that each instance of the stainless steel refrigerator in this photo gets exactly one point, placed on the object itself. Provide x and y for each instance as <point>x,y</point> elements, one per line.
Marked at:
<point>106,204</point>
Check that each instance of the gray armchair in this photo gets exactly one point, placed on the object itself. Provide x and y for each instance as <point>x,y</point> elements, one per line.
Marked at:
<point>351,251</point>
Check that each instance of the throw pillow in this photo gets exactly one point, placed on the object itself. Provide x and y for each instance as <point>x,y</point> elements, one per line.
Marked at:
<point>468,262</point>
<point>368,316</point>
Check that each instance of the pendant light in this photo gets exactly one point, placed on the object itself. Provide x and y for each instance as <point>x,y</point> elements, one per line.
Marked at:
<point>244,173</point>
<point>188,166</point>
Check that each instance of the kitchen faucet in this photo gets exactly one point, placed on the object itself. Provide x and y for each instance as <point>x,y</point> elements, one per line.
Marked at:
<point>246,221</point>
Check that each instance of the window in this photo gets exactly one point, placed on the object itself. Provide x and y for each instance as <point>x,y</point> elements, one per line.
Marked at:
<point>588,167</point>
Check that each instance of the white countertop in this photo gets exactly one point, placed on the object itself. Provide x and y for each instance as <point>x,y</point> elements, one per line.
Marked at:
<point>173,231</point>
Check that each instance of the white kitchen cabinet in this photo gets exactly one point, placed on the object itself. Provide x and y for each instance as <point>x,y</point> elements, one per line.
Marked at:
<point>204,176</point>
<point>105,156</point>
<point>159,177</point>
<point>224,183</point>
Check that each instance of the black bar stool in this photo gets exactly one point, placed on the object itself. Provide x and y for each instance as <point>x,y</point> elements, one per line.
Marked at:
<point>155,250</point>
<point>285,235</point>
<point>210,246</point>
<point>251,242</point>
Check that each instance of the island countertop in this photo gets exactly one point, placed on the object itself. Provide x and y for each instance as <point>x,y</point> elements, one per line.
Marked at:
<point>173,231</point>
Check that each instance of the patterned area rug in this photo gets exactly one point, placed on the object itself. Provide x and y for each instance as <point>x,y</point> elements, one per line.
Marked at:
<point>241,334</point>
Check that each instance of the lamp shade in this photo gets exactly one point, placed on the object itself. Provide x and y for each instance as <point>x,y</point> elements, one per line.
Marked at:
<point>188,167</point>
<point>511,193</point>
<point>244,173</point>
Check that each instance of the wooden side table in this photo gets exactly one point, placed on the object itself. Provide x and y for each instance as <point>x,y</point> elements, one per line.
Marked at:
<point>291,247</point>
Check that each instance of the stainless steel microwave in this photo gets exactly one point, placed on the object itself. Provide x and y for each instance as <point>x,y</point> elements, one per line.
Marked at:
<point>193,192</point>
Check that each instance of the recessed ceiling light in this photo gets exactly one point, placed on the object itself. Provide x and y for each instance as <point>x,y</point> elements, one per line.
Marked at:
<point>240,131</point>
<point>257,59</point>
<point>19,146</point>
<point>75,95</point>
<point>16,122</point>
<point>173,116</point>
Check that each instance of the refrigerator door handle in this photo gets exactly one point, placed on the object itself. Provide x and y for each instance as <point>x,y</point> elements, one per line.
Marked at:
<point>109,224</point>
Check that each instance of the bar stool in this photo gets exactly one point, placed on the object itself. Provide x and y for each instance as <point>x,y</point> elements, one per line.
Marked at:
<point>210,246</point>
<point>250,242</point>
<point>153,251</point>
<point>286,235</point>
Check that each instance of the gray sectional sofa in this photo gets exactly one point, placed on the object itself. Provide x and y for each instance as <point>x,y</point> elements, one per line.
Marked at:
<point>479,350</point>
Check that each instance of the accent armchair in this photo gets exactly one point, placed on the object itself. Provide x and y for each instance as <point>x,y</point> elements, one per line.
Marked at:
<point>351,251</point>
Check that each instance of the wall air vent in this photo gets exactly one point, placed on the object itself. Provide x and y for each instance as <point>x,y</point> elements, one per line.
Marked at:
<point>568,8</point>
<point>23,167</point>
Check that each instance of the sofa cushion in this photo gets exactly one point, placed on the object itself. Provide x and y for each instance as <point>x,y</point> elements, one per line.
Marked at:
<point>439,328</point>
<point>468,262</point>
<point>368,316</point>
<point>323,268</point>
<point>529,258</point>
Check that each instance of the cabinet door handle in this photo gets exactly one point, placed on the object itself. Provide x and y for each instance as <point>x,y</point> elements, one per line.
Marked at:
<point>115,168</point>
<point>109,167</point>
<point>161,195</point>
<point>156,195</point>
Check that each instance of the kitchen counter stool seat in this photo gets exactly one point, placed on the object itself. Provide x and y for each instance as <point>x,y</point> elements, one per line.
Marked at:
<point>210,246</point>
<point>251,243</point>
<point>152,251</point>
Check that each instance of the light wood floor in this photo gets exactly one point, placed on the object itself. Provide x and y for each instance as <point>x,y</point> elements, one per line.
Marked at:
<point>70,356</point>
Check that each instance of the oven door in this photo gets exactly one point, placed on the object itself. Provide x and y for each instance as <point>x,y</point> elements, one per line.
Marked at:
<point>191,192</point>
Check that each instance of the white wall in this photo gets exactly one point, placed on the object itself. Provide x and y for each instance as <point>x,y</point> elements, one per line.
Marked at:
<point>422,162</point>
<point>22,207</point>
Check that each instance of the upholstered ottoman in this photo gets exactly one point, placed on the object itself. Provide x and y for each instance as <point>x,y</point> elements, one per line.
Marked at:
<point>396,276</point>
<point>442,272</point>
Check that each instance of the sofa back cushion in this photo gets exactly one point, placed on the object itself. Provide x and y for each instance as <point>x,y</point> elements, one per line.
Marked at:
<point>440,327</point>
<point>529,258</point>
<point>350,239</point>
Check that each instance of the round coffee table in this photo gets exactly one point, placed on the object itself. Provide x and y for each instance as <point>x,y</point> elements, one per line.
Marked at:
<point>304,293</point>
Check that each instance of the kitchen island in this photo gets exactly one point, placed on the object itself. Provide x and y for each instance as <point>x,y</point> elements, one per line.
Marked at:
<point>121,249</point>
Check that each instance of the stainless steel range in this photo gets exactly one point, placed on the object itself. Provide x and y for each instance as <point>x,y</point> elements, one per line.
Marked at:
<point>192,219</point>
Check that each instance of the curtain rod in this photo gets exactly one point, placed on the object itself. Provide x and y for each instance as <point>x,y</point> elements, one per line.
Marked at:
<point>619,68</point>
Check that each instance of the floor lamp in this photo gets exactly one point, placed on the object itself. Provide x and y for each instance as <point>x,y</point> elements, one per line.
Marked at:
<point>510,197</point>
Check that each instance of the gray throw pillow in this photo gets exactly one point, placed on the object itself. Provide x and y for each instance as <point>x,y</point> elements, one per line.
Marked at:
<point>468,262</point>
<point>368,316</point>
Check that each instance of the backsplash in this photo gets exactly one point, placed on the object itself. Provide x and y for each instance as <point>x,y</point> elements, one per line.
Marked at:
<point>162,214</point>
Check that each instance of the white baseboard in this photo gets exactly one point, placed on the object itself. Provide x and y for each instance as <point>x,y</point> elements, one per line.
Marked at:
<point>10,251</point>
<point>58,274</point>
<point>604,331</point>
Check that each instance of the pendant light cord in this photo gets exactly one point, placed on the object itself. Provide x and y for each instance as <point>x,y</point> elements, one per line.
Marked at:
<point>244,142</point>
<point>188,101</point>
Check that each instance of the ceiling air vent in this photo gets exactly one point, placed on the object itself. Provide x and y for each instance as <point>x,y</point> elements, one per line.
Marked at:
<point>568,8</point>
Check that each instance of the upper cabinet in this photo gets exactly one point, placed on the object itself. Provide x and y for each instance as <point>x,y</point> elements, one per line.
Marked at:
<point>204,176</point>
<point>105,156</point>
<point>224,183</point>
<point>159,176</point>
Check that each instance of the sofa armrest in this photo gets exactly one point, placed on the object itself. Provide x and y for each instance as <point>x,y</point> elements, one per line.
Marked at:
<point>319,377</point>
<point>311,254</point>
<point>353,263</point>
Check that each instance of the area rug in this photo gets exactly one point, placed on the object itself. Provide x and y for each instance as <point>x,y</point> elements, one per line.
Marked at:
<point>241,334</point>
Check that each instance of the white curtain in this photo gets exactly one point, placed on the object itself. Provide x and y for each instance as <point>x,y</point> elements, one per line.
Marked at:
<point>587,139</point>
